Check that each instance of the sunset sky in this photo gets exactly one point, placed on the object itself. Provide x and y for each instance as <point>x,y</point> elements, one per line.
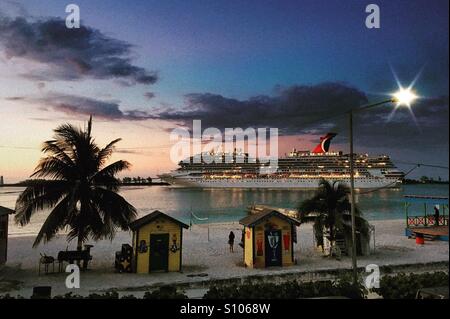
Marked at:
<point>142,68</point>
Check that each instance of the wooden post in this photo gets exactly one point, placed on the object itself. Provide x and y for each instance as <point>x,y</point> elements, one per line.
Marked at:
<point>406,213</point>
<point>443,215</point>
<point>425,207</point>
<point>352,202</point>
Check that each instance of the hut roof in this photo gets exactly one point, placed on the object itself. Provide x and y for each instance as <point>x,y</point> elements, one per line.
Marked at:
<point>151,217</point>
<point>6,211</point>
<point>252,220</point>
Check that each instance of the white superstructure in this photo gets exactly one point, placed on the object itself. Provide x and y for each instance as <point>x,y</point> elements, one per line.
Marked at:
<point>299,169</point>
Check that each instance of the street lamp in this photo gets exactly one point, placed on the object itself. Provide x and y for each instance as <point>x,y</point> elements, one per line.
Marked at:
<point>403,97</point>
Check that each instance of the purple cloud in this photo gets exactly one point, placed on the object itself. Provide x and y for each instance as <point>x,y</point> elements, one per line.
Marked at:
<point>70,54</point>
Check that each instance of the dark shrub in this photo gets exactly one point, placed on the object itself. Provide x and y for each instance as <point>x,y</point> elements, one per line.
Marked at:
<point>404,286</point>
<point>166,292</point>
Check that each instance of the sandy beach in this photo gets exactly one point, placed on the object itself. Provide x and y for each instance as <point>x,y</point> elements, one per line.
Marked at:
<point>209,259</point>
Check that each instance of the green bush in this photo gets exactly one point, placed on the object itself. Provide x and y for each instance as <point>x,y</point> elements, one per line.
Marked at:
<point>344,287</point>
<point>287,290</point>
<point>166,292</point>
<point>108,295</point>
<point>161,293</point>
<point>403,286</point>
<point>8,296</point>
<point>69,295</point>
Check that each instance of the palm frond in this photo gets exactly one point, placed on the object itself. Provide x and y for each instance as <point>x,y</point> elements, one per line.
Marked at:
<point>89,128</point>
<point>59,151</point>
<point>106,176</point>
<point>69,134</point>
<point>54,168</point>
<point>39,195</point>
<point>88,223</point>
<point>56,220</point>
<point>114,208</point>
<point>106,152</point>
<point>309,209</point>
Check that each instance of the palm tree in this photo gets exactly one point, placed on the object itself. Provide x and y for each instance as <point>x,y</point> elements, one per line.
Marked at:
<point>79,188</point>
<point>330,209</point>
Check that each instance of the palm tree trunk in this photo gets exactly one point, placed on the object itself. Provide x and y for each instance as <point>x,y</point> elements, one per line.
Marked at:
<point>79,243</point>
<point>79,247</point>
<point>332,239</point>
<point>80,240</point>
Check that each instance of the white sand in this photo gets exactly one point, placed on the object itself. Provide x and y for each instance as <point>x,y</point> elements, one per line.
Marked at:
<point>201,256</point>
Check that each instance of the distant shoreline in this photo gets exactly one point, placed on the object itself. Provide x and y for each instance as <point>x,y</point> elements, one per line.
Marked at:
<point>121,184</point>
<point>405,182</point>
<point>146,184</point>
<point>414,182</point>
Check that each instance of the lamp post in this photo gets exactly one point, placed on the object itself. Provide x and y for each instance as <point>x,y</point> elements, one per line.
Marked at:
<point>402,97</point>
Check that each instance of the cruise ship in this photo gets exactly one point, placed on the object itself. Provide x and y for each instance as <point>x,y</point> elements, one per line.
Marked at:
<point>298,169</point>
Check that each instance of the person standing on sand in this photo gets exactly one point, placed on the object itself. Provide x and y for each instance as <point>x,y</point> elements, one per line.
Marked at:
<point>231,241</point>
<point>436,215</point>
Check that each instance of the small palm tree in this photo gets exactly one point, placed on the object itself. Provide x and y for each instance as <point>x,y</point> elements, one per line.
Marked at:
<point>78,187</point>
<point>330,209</point>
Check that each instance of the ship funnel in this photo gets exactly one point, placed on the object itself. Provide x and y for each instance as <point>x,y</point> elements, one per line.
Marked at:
<point>324,144</point>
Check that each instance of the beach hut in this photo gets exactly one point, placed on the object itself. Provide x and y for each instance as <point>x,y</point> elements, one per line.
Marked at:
<point>269,239</point>
<point>4,216</point>
<point>157,243</point>
<point>432,221</point>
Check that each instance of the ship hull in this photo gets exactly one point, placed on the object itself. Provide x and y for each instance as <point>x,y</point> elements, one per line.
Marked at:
<point>282,183</point>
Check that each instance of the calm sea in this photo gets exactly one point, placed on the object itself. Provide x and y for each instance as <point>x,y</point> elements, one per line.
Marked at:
<point>220,205</point>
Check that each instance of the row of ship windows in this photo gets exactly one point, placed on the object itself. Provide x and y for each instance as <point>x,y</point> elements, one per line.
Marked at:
<point>321,172</point>
<point>370,180</point>
<point>284,169</point>
<point>284,161</point>
<point>284,165</point>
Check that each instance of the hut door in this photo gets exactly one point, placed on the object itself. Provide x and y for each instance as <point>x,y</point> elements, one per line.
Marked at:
<point>159,252</point>
<point>273,248</point>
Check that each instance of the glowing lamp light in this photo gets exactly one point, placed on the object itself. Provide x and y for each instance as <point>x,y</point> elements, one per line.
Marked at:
<point>404,97</point>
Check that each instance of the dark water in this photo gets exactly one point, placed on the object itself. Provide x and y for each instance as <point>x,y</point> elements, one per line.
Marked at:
<point>230,204</point>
